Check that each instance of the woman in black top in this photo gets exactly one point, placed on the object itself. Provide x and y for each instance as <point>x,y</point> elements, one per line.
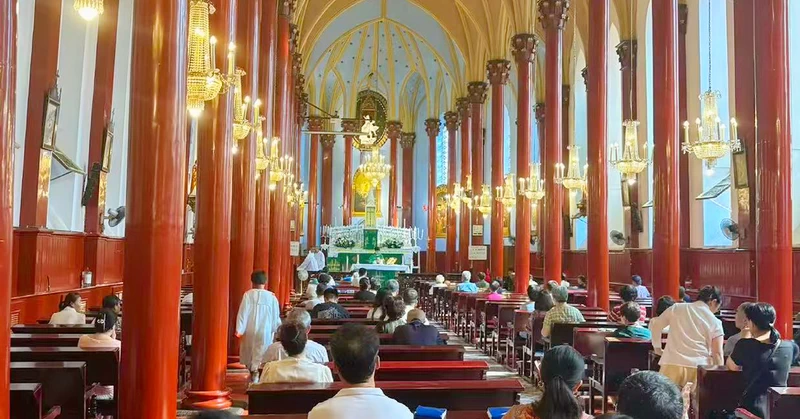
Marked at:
<point>764,359</point>
<point>364,293</point>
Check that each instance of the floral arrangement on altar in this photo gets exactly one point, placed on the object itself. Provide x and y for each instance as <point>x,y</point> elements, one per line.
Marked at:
<point>344,242</point>
<point>392,243</point>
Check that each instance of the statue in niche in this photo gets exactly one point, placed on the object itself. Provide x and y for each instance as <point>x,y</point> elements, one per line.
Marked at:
<point>361,189</point>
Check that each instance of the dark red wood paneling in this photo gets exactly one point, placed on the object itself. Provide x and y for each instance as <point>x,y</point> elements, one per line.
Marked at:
<point>641,263</point>
<point>619,266</point>
<point>573,262</point>
<point>728,269</point>
<point>41,306</point>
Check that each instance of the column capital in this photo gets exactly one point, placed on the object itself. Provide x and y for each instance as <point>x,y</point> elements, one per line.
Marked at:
<point>539,112</point>
<point>462,104</point>
<point>477,91</point>
<point>451,120</point>
<point>627,51</point>
<point>393,129</point>
<point>497,71</point>
<point>683,18</point>
<point>585,76</point>
<point>432,126</point>
<point>407,139</point>
<point>553,13</point>
<point>327,140</point>
<point>350,125</point>
<point>316,123</point>
<point>565,90</point>
<point>523,47</point>
<point>286,8</point>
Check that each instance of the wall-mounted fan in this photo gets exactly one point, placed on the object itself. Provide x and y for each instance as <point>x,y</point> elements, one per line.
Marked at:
<point>729,228</point>
<point>618,238</point>
<point>115,216</point>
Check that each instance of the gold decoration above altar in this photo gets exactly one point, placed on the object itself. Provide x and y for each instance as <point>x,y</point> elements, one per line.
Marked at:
<point>373,105</point>
<point>361,190</point>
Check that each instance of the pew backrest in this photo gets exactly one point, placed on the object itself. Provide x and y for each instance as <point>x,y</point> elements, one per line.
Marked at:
<point>63,384</point>
<point>102,365</point>
<point>421,353</point>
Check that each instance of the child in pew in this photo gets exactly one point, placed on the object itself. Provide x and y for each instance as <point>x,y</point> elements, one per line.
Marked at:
<point>297,368</point>
<point>105,335</point>
<point>631,327</point>
<point>68,311</point>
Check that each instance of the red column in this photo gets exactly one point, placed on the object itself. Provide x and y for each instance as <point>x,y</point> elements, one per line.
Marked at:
<point>432,128</point>
<point>8,91</point>
<point>553,15</point>
<point>348,125</point>
<point>465,219</point>
<point>566,242</point>
<point>666,238</point>
<point>773,162</point>
<point>407,140</point>
<point>266,82</point>
<point>683,160</point>
<point>154,239</point>
<point>497,72</point>
<point>42,78</point>
<point>524,48</point>
<point>744,56</point>
<point>314,124</point>
<point>627,53</point>
<point>477,92</point>
<point>540,219</point>
<point>327,178</point>
<point>597,184</point>
<point>393,131</point>
<point>243,204</point>
<point>451,123</point>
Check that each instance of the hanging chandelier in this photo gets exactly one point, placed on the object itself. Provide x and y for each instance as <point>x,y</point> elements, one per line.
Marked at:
<point>280,167</point>
<point>532,187</point>
<point>711,144</point>
<point>483,202</point>
<point>507,194</point>
<point>296,195</point>
<point>574,180</point>
<point>241,126</point>
<point>455,200</point>
<point>466,195</point>
<point>630,163</point>
<point>262,162</point>
<point>204,80</point>
<point>88,9</point>
<point>375,167</point>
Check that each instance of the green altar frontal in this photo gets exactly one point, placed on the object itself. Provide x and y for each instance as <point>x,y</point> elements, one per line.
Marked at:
<point>347,257</point>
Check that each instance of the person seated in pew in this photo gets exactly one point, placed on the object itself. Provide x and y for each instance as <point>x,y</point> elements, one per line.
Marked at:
<point>326,279</point>
<point>359,274</point>
<point>695,337</point>
<point>311,289</point>
<point>330,309</point>
<point>114,303</point>
<point>438,283</point>
<point>363,293</point>
<point>354,348</point>
<point>508,280</point>
<point>68,311</point>
<point>104,335</point>
<point>374,285</point>
<point>393,315</point>
<point>642,293</point>
<point>544,302</point>
<point>582,284</point>
<point>495,291</point>
<point>763,358</point>
<point>482,284</point>
<point>466,285</point>
<point>296,368</point>
<point>562,312</point>
<point>662,305</point>
<point>376,312</point>
<point>683,296</point>
<point>561,374</point>
<point>631,326</point>
<point>319,292</point>
<point>417,331</point>
<point>533,294</point>
<point>393,287</point>
<point>410,299</point>
<point>257,321</point>
<point>313,351</point>
<point>744,333</point>
<point>628,294</point>
<point>650,395</point>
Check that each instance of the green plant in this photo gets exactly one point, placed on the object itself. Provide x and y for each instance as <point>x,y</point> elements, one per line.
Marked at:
<point>344,242</point>
<point>392,243</point>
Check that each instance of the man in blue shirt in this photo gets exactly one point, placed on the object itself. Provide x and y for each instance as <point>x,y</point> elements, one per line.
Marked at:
<point>642,293</point>
<point>466,285</point>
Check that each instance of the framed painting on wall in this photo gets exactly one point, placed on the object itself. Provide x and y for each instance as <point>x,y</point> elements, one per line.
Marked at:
<point>108,142</point>
<point>52,106</point>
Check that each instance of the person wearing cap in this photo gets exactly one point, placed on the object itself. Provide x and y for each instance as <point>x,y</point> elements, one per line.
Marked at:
<point>439,283</point>
<point>642,293</point>
<point>104,335</point>
<point>416,332</point>
<point>330,309</point>
<point>466,285</point>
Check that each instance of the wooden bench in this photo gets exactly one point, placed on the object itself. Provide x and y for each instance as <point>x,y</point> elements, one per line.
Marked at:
<point>451,414</point>
<point>63,384</point>
<point>614,364</point>
<point>26,401</point>
<point>385,338</point>
<point>429,370</point>
<point>52,329</point>
<point>421,353</point>
<point>455,395</point>
<point>719,388</point>
<point>784,402</point>
<point>44,340</point>
<point>339,322</point>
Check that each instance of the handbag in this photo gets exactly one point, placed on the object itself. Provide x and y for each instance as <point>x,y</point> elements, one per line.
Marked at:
<point>730,413</point>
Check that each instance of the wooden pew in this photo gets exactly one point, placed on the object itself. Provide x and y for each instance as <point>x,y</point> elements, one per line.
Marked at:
<point>339,322</point>
<point>451,414</point>
<point>784,402</point>
<point>53,329</point>
<point>516,334</point>
<point>26,401</point>
<point>718,388</point>
<point>63,385</point>
<point>562,333</point>
<point>421,353</point>
<point>455,395</point>
<point>429,370</point>
<point>386,338</point>
<point>619,357</point>
<point>44,340</point>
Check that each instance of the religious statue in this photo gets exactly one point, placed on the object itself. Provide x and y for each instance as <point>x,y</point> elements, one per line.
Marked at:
<point>369,132</point>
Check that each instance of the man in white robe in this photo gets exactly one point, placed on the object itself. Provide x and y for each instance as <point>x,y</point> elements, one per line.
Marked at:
<point>258,319</point>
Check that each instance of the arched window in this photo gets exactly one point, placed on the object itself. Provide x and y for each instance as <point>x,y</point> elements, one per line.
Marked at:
<point>794,83</point>
<point>441,157</point>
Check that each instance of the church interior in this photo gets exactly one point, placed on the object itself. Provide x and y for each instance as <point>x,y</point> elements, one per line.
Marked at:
<point>172,153</point>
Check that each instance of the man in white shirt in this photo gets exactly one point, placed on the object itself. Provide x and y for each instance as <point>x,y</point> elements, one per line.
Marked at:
<point>318,299</point>
<point>313,351</point>
<point>314,261</point>
<point>695,337</point>
<point>295,368</point>
<point>258,319</point>
<point>355,353</point>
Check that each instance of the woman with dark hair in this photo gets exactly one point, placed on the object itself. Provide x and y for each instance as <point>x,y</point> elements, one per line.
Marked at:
<point>68,311</point>
<point>394,310</point>
<point>495,291</point>
<point>104,335</point>
<point>764,359</point>
<point>376,312</point>
<point>562,374</point>
<point>544,302</point>
<point>296,368</point>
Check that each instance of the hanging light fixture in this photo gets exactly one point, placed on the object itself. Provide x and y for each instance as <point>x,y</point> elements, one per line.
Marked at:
<point>574,180</point>
<point>532,187</point>
<point>88,9</point>
<point>241,126</point>
<point>204,80</point>
<point>507,194</point>
<point>262,162</point>
<point>280,167</point>
<point>483,202</point>
<point>711,144</point>
<point>466,195</point>
<point>630,163</point>
<point>296,195</point>
<point>375,167</point>
<point>454,201</point>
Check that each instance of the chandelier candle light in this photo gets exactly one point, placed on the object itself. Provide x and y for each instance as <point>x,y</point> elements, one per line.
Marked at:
<point>280,167</point>
<point>375,167</point>
<point>241,126</point>
<point>507,194</point>
<point>204,81</point>
<point>573,180</point>
<point>88,9</point>
<point>483,202</point>
<point>262,162</point>
<point>630,164</point>
<point>532,187</point>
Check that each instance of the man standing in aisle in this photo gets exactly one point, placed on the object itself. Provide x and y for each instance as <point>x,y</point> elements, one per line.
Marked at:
<point>258,320</point>
<point>314,262</point>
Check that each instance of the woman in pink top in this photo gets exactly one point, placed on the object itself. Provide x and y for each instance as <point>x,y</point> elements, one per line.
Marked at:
<point>496,291</point>
<point>104,336</point>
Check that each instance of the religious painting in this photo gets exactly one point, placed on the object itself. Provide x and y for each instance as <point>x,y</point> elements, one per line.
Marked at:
<point>373,105</point>
<point>361,190</point>
<point>108,141</point>
<point>506,224</point>
<point>441,212</point>
<point>50,124</point>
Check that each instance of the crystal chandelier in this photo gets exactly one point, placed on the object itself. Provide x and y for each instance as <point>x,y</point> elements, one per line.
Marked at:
<point>630,164</point>
<point>375,167</point>
<point>532,187</point>
<point>88,9</point>
<point>455,200</point>
<point>262,162</point>
<point>241,126</point>
<point>204,80</point>
<point>466,196</point>
<point>296,195</point>
<point>280,167</point>
<point>711,144</point>
<point>507,194</point>
<point>574,180</point>
<point>483,202</point>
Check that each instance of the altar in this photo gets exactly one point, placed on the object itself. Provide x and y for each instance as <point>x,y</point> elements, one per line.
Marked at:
<point>383,251</point>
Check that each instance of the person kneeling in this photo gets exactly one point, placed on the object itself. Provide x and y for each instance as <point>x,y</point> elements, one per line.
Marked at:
<point>631,327</point>
<point>296,368</point>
